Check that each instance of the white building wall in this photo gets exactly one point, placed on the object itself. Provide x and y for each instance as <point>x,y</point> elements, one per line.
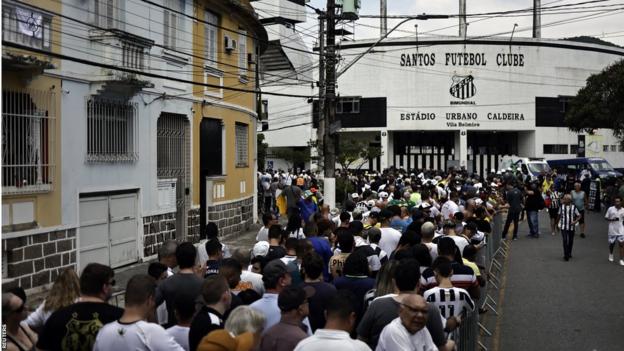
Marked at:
<point>81,81</point>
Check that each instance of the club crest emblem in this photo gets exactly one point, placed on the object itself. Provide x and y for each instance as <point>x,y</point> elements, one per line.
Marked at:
<point>463,87</point>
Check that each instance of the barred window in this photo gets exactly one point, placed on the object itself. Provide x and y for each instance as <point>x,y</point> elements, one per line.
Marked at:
<point>112,132</point>
<point>573,148</point>
<point>173,23</point>
<point>242,147</point>
<point>28,141</point>
<point>555,148</point>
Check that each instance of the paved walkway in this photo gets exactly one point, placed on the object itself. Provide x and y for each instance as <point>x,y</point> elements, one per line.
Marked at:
<point>550,304</point>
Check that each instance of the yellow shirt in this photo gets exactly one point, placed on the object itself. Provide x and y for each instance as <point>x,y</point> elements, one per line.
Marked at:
<point>547,185</point>
<point>474,267</point>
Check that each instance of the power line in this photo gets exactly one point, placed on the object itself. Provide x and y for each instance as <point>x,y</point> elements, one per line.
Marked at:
<point>138,72</point>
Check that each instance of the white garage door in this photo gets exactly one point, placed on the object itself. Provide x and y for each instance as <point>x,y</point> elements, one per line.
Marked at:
<point>108,230</point>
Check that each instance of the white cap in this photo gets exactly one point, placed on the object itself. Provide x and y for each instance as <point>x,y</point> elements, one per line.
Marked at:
<point>383,194</point>
<point>260,249</point>
<point>355,195</point>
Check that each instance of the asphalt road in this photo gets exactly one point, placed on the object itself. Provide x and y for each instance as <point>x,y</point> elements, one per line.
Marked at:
<point>550,304</point>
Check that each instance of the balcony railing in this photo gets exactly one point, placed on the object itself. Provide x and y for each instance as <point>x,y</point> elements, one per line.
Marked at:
<point>28,141</point>
<point>21,25</point>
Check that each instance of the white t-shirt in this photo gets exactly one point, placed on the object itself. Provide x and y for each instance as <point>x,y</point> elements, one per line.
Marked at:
<point>37,319</point>
<point>389,239</point>
<point>615,228</point>
<point>180,335</point>
<point>460,241</point>
<point>449,209</point>
<point>263,234</point>
<point>331,339</point>
<point>136,336</point>
<point>395,337</point>
<point>433,250</point>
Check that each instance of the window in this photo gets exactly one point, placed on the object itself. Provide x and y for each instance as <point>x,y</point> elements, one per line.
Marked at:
<point>24,26</point>
<point>555,148</point>
<point>613,148</point>
<point>107,13</point>
<point>573,149</point>
<point>621,148</point>
<point>28,141</point>
<point>173,23</point>
<point>605,148</point>
<point>242,151</point>
<point>242,54</point>
<point>348,105</point>
<point>211,38</point>
<point>112,133</point>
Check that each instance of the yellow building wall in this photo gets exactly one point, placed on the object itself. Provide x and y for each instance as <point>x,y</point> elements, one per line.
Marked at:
<point>228,63</point>
<point>47,206</point>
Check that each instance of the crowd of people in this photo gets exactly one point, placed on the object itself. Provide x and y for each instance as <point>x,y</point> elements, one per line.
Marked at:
<point>399,267</point>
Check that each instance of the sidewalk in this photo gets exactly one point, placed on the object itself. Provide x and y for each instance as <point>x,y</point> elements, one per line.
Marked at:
<point>244,241</point>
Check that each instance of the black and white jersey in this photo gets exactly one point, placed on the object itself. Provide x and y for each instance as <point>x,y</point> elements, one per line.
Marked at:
<point>452,302</point>
<point>567,215</point>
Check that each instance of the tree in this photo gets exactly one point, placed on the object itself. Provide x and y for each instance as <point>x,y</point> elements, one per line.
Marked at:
<point>354,153</point>
<point>262,151</point>
<point>600,104</point>
<point>293,156</point>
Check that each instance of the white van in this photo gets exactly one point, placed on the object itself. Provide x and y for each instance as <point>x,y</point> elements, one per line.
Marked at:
<point>528,166</point>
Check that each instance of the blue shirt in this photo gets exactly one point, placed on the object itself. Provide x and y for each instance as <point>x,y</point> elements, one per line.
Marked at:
<point>322,248</point>
<point>307,208</point>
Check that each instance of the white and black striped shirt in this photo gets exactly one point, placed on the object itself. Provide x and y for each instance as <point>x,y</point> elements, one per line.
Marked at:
<point>567,215</point>
<point>452,302</point>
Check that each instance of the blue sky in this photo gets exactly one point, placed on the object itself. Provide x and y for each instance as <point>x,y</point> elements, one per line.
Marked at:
<point>608,25</point>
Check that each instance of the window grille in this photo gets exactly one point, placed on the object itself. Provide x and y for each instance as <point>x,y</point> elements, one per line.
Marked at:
<point>211,41</point>
<point>242,54</point>
<point>28,141</point>
<point>555,148</point>
<point>573,149</point>
<point>605,148</point>
<point>242,148</point>
<point>613,148</point>
<point>27,27</point>
<point>112,132</point>
<point>173,23</point>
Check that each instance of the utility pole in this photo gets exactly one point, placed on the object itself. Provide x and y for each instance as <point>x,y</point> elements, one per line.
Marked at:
<point>320,131</point>
<point>329,140</point>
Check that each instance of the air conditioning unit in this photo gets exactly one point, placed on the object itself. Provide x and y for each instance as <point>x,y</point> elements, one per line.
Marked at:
<point>230,44</point>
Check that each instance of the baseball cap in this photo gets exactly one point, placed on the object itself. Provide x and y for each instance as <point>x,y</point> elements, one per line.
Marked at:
<point>292,297</point>
<point>261,248</point>
<point>274,270</point>
<point>383,194</point>
<point>355,195</point>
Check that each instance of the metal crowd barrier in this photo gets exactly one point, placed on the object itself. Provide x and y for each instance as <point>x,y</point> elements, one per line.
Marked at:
<point>490,259</point>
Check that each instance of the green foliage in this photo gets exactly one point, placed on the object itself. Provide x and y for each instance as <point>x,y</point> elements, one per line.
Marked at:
<point>262,147</point>
<point>354,153</point>
<point>600,104</point>
<point>292,156</point>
